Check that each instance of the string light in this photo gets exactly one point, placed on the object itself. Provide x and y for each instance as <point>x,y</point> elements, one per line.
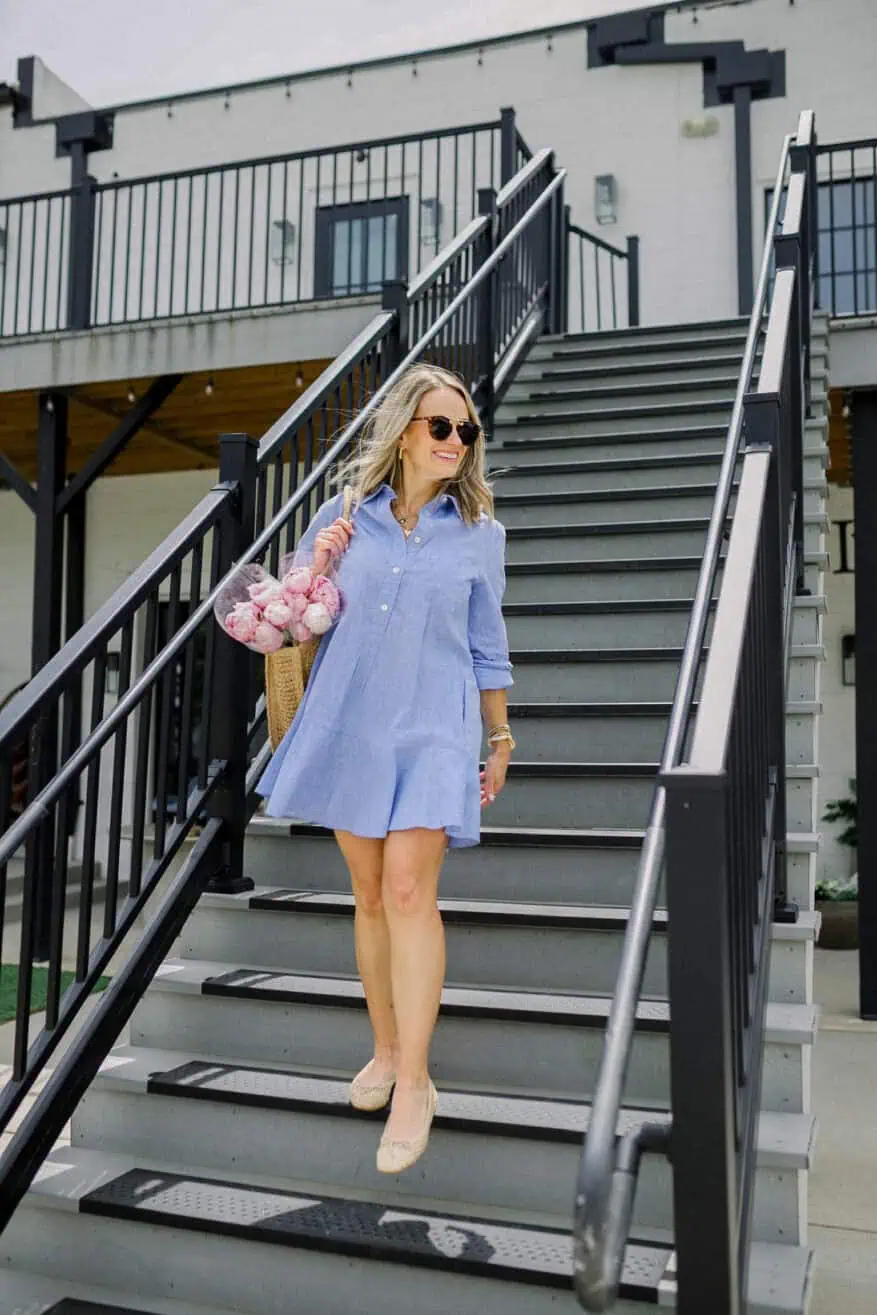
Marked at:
<point>132,396</point>
<point>208,387</point>
<point>299,378</point>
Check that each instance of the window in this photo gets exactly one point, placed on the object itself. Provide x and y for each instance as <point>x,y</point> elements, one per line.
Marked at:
<point>360,246</point>
<point>847,253</point>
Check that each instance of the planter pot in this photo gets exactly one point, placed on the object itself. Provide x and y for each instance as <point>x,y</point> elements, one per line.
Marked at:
<point>840,924</point>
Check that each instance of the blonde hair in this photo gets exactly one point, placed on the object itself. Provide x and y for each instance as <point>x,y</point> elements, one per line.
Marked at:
<point>378,459</point>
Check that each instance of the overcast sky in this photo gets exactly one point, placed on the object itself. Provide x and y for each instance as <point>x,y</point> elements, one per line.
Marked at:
<point>112,51</point>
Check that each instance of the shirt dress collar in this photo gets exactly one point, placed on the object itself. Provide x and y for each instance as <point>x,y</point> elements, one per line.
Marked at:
<point>444,499</point>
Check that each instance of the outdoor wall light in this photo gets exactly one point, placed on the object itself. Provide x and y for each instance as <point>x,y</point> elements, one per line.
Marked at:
<point>111,676</point>
<point>606,198</point>
<point>848,659</point>
<point>2,247</point>
<point>282,241</point>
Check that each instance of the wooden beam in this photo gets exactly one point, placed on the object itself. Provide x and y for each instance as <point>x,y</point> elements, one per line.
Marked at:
<point>17,482</point>
<point>121,436</point>
<point>151,427</point>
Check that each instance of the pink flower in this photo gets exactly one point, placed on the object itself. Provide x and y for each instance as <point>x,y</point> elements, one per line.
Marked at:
<point>317,618</point>
<point>267,638</point>
<point>297,581</point>
<point>242,621</point>
<point>300,633</point>
<point>278,614</point>
<point>265,592</point>
<point>325,592</point>
<point>297,604</point>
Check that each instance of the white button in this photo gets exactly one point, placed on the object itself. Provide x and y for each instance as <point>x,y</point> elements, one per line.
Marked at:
<point>417,538</point>
<point>384,607</point>
<point>396,570</point>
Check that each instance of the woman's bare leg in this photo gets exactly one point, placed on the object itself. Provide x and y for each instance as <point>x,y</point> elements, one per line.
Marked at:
<point>364,858</point>
<point>412,865</point>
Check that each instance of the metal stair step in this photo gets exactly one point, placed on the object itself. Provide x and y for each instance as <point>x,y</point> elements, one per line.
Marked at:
<point>174,1104</point>
<point>35,1294</point>
<point>642,470</point>
<point>547,369</point>
<point>197,1230</point>
<point>513,1040</point>
<point>514,945</point>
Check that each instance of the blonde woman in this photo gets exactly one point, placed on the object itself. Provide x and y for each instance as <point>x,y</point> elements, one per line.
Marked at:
<point>385,745</point>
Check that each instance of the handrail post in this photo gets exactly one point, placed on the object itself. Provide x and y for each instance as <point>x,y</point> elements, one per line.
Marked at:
<point>394,298</point>
<point>702,1095</point>
<point>556,270</point>
<point>81,253</point>
<point>762,426</point>
<point>567,251</point>
<point>632,282</point>
<point>484,346</point>
<point>508,145</point>
<point>230,696</point>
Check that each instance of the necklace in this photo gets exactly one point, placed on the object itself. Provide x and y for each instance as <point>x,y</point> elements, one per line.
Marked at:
<point>403,521</point>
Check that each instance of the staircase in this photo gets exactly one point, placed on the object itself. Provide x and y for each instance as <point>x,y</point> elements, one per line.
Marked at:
<point>215,1165</point>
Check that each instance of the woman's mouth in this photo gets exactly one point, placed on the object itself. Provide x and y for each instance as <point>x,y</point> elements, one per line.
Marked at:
<point>448,457</point>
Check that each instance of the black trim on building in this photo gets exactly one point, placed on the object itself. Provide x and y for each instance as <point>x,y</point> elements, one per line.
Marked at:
<point>864,432</point>
<point>22,109</point>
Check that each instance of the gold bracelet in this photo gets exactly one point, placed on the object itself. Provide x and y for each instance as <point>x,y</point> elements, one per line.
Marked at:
<point>498,739</point>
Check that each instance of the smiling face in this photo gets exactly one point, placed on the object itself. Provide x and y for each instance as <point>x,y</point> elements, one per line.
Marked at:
<point>430,458</point>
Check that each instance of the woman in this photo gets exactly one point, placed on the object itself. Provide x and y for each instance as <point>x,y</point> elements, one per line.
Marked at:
<point>385,745</point>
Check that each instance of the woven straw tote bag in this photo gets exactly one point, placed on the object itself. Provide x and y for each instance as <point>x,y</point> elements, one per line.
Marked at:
<point>287,672</point>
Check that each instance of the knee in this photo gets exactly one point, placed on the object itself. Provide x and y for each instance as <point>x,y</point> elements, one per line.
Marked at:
<point>367,895</point>
<point>405,895</point>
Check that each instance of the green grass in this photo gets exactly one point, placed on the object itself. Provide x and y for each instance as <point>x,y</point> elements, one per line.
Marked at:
<point>40,978</point>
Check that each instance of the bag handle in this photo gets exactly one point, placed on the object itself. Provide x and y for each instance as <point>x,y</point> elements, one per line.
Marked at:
<point>348,499</point>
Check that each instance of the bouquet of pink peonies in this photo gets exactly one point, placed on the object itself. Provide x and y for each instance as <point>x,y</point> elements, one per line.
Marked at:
<point>266,614</point>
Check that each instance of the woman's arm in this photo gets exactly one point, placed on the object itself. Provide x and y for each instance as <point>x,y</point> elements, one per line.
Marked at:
<point>488,643</point>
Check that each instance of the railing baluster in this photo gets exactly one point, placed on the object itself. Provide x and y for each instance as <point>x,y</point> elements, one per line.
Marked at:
<point>63,814</point>
<point>166,692</point>
<point>141,768</point>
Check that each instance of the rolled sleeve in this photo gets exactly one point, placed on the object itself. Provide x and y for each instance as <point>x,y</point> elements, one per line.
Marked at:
<point>488,641</point>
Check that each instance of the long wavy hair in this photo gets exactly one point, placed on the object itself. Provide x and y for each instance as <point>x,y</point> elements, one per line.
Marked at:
<point>378,460</point>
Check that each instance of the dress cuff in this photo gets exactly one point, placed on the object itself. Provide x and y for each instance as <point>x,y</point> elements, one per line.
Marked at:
<point>493,675</point>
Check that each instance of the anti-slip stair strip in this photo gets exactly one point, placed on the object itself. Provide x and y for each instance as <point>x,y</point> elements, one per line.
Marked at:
<point>362,1229</point>
<point>496,913</point>
<point>456,1002</point>
<point>72,1306</point>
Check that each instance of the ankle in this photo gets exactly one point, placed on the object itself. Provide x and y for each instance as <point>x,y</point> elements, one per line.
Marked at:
<point>386,1055</point>
<point>418,1081</point>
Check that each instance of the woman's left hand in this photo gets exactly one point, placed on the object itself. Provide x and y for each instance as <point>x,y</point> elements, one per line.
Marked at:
<point>494,774</point>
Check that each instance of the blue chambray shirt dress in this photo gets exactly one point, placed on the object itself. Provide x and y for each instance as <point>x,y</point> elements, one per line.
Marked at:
<point>388,733</point>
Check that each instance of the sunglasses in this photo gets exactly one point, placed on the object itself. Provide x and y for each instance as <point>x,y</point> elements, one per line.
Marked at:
<point>440,428</point>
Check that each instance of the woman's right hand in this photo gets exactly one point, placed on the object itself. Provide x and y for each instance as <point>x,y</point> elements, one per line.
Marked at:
<point>330,543</point>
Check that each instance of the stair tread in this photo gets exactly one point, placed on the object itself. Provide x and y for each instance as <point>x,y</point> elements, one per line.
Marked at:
<point>543,914</point>
<point>624,493</point>
<point>587,837</point>
<point>26,1293</point>
<point>793,1024</point>
<point>785,1141</point>
<point>115,1186</point>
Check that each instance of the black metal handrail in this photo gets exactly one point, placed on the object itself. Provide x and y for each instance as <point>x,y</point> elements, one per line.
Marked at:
<point>34,262</point>
<point>606,1185</point>
<point>586,296</point>
<point>231,752</point>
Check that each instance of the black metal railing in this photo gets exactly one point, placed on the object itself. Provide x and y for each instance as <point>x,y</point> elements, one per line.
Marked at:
<point>185,687</point>
<point>717,822</point>
<point>602,282</point>
<point>334,222</point>
<point>34,263</point>
<point>846,202</point>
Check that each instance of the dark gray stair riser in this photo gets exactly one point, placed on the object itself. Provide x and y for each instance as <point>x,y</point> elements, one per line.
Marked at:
<point>516,475</point>
<point>658,504</point>
<point>593,399</point>
<point>652,366</point>
<point>514,872</point>
<point>631,342</point>
<point>585,586</point>
<point>592,738</point>
<point>506,480</point>
<point>548,449</point>
<point>514,1172</point>
<point>628,681</point>
<point>647,541</point>
<point>635,629</point>
<point>201,1265</point>
<point>559,1059</point>
<point>514,957</point>
<point>612,420</point>
<point>632,582</point>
